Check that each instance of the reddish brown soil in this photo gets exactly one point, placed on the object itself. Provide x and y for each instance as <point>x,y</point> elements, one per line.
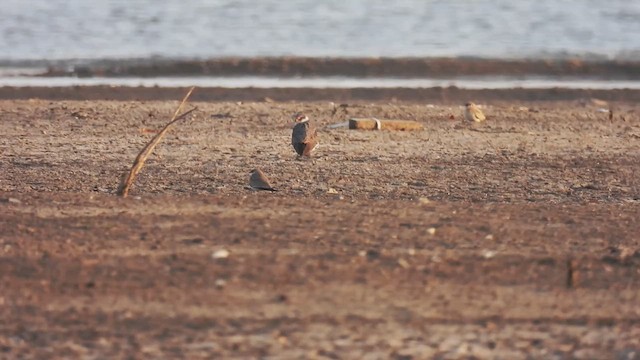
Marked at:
<point>510,239</point>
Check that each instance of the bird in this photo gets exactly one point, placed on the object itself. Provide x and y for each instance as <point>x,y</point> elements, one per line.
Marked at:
<point>259,181</point>
<point>473,113</point>
<point>304,137</point>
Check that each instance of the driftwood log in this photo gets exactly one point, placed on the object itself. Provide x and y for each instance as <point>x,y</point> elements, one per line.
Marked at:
<point>384,124</point>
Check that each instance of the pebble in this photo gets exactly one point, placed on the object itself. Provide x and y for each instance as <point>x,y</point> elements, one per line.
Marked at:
<point>488,254</point>
<point>10,200</point>
<point>404,263</point>
<point>431,231</point>
<point>587,354</point>
<point>220,254</point>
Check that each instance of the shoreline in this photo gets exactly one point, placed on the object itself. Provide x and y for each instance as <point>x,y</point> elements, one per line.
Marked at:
<point>436,95</point>
<point>403,67</point>
<point>327,82</point>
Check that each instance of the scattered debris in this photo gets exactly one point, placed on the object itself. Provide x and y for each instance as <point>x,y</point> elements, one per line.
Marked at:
<point>593,102</point>
<point>221,115</point>
<point>369,254</point>
<point>220,254</point>
<point>11,200</point>
<point>627,252</point>
<point>128,180</point>
<point>79,115</point>
<point>148,131</point>
<point>376,124</point>
<point>342,107</point>
<point>488,254</point>
<point>338,125</point>
<point>598,102</point>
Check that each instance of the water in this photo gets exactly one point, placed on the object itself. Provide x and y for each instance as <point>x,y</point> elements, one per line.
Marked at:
<point>321,82</point>
<point>80,29</point>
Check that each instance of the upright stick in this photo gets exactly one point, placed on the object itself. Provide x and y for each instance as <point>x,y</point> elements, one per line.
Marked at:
<point>123,190</point>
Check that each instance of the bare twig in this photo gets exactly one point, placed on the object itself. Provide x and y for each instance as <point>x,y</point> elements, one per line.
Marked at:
<point>123,190</point>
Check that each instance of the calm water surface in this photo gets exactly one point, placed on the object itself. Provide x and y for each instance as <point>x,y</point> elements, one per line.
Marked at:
<point>68,29</point>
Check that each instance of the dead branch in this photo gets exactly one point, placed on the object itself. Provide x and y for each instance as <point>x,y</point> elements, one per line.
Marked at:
<point>123,190</point>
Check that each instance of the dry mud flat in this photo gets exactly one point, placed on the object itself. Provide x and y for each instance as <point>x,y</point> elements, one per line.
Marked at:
<point>511,239</point>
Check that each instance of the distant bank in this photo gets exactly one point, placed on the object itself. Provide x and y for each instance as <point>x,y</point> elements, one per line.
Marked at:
<point>366,67</point>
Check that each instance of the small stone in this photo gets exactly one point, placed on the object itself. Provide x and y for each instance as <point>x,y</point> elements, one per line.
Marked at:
<point>488,237</point>
<point>403,263</point>
<point>220,283</point>
<point>431,231</point>
<point>488,254</point>
<point>424,200</point>
<point>220,254</point>
<point>450,344</point>
<point>587,354</point>
<point>282,340</point>
<point>598,102</point>
<point>372,254</point>
<point>626,252</point>
<point>566,347</point>
<point>14,201</point>
<point>332,191</point>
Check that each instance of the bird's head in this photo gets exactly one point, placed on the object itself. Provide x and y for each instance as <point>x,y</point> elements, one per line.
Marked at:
<point>300,117</point>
